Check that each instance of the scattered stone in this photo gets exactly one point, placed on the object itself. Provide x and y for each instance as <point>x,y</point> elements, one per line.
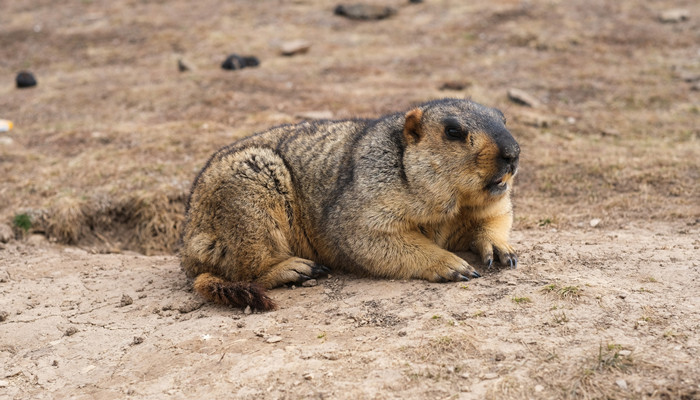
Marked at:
<point>675,15</point>
<point>455,85</point>
<point>309,283</point>
<point>308,376</point>
<point>274,339</point>
<point>624,353</point>
<point>539,388</point>
<point>295,47</point>
<point>247,310</point>
<point>522,97</point>
<point>315,115</point>
<point>465,375</point>
<point>6,141</point>
<point>190,306</point>
<point>260,332</point>
<point>54,363</point>
<point>4,383</point>
<point>3,316</point>
<point>25,79</point>
<point>234,61</point>
<point>240,324</point>
<point>489,376</point>
<point>571,120</point>
<point>610,132</point>
<point>4,276</point>
<point>499,357</point>
<point>6,233</point>
<point>402,333</point>
<point>70,331</point>
<point>621,383</point>
<point>622,295</point>
<point>183,66</point>
<point>361,11</point>
<point>137,340</point>
<point>594,222</point>
<point>126,300</point>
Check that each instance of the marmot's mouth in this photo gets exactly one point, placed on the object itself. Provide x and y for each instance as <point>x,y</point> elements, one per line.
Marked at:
<point>501,184</point>
<point>497,186</point>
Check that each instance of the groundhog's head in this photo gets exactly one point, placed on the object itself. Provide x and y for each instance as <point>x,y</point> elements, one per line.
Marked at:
<point>460,148</point>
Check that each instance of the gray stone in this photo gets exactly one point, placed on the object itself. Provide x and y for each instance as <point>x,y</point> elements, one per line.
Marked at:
<point>522,97</point>
<point>6,233</point>
<point>674,15</point>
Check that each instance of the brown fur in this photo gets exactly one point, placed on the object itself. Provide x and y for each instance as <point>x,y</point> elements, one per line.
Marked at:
<point>389,198</point>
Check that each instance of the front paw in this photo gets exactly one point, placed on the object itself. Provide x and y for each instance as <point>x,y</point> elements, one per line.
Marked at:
<point>503,252</point>
<point>453,269</point>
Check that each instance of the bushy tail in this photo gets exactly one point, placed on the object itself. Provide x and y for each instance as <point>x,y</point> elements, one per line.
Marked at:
<point>237,294</point>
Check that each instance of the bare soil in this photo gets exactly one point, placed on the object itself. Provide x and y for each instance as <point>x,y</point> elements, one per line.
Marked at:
<point>604,304</point>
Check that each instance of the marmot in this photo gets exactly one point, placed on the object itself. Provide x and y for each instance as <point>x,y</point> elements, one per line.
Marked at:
<point>390,198</point>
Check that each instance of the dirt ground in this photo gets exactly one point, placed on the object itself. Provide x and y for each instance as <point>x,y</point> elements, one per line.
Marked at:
<point>604,304</point>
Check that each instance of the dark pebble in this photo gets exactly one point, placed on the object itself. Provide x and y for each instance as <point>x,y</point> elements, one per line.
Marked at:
<point>25,80</point>
<point>234,61</point>
<point>364,11</point>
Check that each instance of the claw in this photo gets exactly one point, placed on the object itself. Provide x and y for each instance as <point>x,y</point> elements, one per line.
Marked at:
<point>319,270</point>
<point>462,278</point>
<point>489,263</point>
<point>510,263</point>
<point>476,274</point>
<point>515,263</point>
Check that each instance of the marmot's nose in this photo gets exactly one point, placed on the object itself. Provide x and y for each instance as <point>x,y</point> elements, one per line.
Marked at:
<point>511,152</point>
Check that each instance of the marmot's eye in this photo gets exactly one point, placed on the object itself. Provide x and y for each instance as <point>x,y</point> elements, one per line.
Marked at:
<point>455,132</point>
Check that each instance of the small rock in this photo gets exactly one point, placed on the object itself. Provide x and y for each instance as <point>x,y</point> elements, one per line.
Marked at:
<point>70,331</point>
<point>499,357</point>
<point>465,375</point>
<point>571,120</point>
<point>4,276</point>
<point>309,283</point>
<point>314,115</point>
<point>610,132</point>
<point>247,310</point>
<point>6,141</point>
<point>621,383</point>
<point>489,376</point>
<point>234,61</point>
<point>240,324</point>
<point>274,339</point>
<point>308,376</point>
<point>260,332</point>
<point>522,97</point>
<point>190,306</point>
<point>126,300</point>
<point>294,47</point>
<point>361,11</point>
<point>455,85</point>
<point>25,79</point>
<point>4,383</point>
<point>622,295</point>
<point>6,233</point>
<point>183,66</point>
<point>539,388</point>
<point>137,340</point>
<point>675,15</point>
<point>594,222</point>
<point>3,316</point>
<point>624,353</point>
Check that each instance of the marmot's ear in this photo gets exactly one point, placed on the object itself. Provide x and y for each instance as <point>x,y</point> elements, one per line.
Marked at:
<point>412,129</point>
